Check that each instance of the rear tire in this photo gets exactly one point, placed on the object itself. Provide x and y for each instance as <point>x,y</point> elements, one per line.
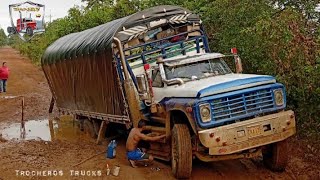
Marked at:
<point>181,151</point>
<point>275,156</point>
<point>9,30</point>
<point>89,128</point>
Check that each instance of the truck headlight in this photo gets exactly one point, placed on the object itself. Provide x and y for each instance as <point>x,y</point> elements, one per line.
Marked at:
<point>278,97</point>
<point>205,112</point>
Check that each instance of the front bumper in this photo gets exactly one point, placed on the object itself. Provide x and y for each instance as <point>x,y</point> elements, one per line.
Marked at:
<point>249,134</point>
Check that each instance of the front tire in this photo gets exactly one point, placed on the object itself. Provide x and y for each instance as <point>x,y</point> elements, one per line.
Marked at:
<point>275,156</point>
<point>181,151</point>
<point>29,31</point>
<point>9,30</point>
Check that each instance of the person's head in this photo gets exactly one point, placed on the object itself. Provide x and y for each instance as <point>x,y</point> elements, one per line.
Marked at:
<point>142,124</point>
<point>4,64</point>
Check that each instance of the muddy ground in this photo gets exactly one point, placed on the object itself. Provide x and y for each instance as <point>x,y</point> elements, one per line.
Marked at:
<point>55,155</point>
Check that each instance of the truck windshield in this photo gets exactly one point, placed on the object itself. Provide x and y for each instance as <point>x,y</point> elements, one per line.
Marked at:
<point>197,70</point>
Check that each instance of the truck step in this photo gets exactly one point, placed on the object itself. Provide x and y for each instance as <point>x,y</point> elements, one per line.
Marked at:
<point>154,146</point>
<point>162,158</point>
<point>160,151</point>
<point>160,155</point>
<point>156,129</point>
<point>158,119</point>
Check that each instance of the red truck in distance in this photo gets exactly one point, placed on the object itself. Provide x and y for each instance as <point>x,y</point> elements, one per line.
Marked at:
<point>27,25</point>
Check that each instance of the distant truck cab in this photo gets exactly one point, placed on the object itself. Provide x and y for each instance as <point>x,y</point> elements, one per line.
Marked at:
<point>22,25</point>
<point>27,25</point>
<point>156,65</point>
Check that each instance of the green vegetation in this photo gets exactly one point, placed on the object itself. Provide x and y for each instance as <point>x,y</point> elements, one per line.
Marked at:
<point>3,38</point>
<point>276,37</point>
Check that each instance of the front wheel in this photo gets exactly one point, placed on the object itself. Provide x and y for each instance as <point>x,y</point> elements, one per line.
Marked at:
<point>181,151</point>
<point>275,156</point>
<point>29,31</point>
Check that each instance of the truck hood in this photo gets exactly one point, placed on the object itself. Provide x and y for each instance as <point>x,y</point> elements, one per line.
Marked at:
<point>213,85</point>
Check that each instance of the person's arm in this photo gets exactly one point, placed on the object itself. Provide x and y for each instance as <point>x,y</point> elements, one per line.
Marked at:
<point>149,138</point>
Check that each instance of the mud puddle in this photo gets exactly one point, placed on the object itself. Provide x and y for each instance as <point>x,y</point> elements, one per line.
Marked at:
<point>35,129</point>
<point>47,130</point>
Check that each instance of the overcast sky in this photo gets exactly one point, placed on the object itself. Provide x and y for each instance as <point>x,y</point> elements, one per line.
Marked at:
<point>58,8</point>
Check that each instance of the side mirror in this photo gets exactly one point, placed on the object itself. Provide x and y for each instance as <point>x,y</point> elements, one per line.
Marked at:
<point>237,60</point>
<point>142,86</point>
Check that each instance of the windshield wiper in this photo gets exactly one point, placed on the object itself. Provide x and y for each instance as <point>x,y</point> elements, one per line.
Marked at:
<point>185,77</point>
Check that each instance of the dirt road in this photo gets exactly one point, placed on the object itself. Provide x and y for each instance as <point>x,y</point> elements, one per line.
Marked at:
<point>54,154</point>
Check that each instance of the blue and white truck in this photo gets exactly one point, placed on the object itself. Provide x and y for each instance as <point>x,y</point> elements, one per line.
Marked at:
<point>156,65</point>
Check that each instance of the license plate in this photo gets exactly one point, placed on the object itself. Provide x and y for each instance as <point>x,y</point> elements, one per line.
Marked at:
<point>254,131</point>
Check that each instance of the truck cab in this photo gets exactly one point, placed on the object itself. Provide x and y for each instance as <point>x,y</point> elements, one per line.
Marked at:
<point>230,112</point>
<point>209,111</point>
<point>156,65</point>
<point>26,25</point>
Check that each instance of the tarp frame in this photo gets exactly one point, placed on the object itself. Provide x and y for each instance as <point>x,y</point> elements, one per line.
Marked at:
<point>84,75</point>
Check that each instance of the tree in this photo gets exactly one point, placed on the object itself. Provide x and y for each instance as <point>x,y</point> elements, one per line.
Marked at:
<point>3,38</point>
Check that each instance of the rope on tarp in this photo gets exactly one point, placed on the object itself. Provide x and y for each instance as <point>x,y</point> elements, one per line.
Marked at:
<point>179,19</point>
<point>134,32</point>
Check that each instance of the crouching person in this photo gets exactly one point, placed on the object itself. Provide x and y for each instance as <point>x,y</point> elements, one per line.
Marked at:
<point>135,154</point>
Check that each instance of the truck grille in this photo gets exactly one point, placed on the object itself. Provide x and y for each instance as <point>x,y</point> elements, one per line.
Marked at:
<point>242,105</point>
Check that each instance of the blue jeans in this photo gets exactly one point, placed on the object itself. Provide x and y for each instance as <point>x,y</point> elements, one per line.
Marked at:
<point>3,85</point>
